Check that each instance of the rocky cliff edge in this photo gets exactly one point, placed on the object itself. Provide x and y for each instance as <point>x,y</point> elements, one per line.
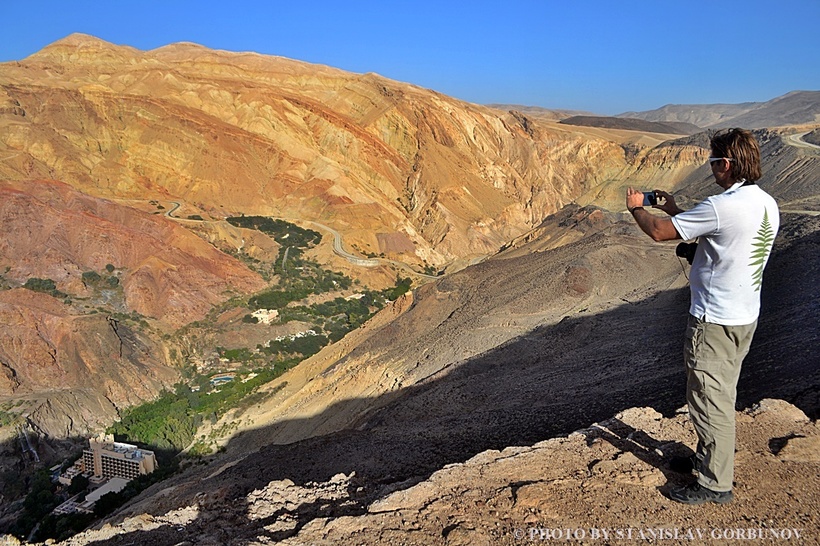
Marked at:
<point>605,484</point>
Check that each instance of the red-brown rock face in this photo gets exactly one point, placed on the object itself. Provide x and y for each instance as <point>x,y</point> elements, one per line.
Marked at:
<point>52,231</point>
<point>234,133</point>
<point>73,370</point>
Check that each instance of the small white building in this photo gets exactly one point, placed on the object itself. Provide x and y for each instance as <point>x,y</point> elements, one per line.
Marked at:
<point>265,316</point>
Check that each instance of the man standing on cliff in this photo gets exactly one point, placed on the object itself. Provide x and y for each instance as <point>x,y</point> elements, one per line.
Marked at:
<point>735,231</point>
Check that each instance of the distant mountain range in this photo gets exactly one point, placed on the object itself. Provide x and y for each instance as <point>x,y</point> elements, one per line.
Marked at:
<point>792,108</point>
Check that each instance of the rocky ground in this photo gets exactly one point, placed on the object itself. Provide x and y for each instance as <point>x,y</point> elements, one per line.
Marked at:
<point>605,484</point>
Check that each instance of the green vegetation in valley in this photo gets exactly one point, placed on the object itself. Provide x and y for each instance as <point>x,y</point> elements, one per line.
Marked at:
<point>95,280</point>
<point>312,280</point>
<point>171,421</point>
<point>293,241</point>
<point>300,278</point>
<point>39,502</point>
<point>331,320</point>
<point>301,346</point>
<point>284,233</point>
<point>241,354</point>
<point>46,286</point>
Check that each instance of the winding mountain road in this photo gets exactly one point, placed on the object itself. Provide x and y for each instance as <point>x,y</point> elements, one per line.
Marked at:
<point>339,250</point>
<point>338,246</point>
<point>170,212</point>
<point>797,141</point>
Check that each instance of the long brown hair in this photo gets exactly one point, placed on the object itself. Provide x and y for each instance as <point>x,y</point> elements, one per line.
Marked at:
<point>742,148</point>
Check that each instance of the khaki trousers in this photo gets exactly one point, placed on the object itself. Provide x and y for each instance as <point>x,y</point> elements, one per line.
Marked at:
<point>713,354</point>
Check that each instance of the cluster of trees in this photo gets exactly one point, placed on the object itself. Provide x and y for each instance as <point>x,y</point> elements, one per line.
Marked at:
<point>333,318</point>
<point>90,279</point>
<point>241,354</point>
<point>39,502</point>
<point>284,233</point>
<point>171,421</point>
<point>293,240</point>
<point>94,279</point>
<point>312,280</point>
<point>63,526</point>
<point>167,423</point>
<point>47,286</point>
<point>303,346</point>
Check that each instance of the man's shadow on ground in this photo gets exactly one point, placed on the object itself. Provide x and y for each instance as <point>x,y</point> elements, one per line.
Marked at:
<point>656,453</point>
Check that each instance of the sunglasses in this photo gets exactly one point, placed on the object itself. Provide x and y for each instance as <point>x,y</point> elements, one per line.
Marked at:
<point>713,159</point>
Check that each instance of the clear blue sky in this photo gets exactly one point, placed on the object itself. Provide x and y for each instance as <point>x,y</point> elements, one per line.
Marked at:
<point>603,56</point>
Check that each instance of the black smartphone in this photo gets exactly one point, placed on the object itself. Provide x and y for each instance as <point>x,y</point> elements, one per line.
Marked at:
<point>649,199</point>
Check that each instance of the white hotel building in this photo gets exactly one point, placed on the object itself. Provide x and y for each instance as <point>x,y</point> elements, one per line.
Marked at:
<point>109,459</point>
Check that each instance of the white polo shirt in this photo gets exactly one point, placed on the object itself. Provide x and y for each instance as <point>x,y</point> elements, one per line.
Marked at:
<point>736,230</point>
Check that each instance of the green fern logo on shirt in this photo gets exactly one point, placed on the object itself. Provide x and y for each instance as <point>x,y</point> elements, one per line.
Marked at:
<point>762,247</point>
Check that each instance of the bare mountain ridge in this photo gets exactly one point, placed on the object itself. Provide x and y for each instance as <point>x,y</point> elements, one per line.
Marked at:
<point>360,153</point>
<point>537,112</point>
<point>794,108</point>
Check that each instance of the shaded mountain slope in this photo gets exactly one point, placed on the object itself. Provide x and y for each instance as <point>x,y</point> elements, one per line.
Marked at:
<point>548,380</point>
<point>670,127</point>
